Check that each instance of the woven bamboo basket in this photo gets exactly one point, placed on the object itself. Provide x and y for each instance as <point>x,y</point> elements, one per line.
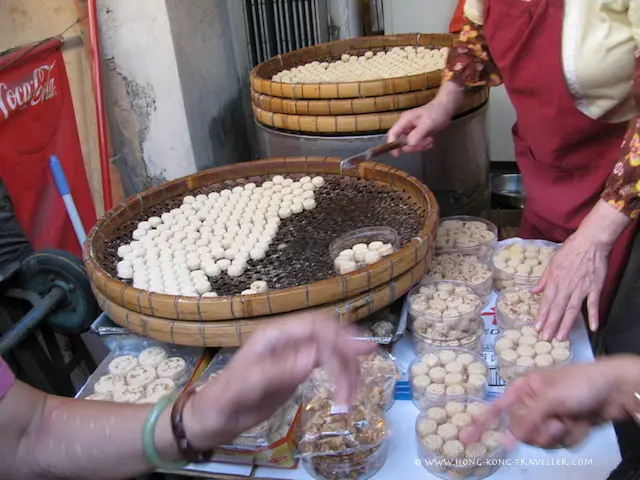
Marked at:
<point>234,333</point>
<point>349,106</point>
<point>262,74</point>
<point>335,124</point>
<point>201,309</point>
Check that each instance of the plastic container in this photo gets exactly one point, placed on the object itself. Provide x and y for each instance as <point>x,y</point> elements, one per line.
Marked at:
<point>452,460</point>
<point>132,346</point>
<point>357,466</point>
<point>429,389</point>
<point>513,361</point>
<point>517,307</point>
<point>469,340</point>
<point>467,240</point>
<point>508,261</point>
<point>380,242</point>
<point>467,269</point>
<point>444,313</point>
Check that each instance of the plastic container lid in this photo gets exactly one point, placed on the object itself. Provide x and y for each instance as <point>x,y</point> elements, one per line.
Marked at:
<point>512,261</point>
<point>517,307</point>
<point>363,247</point>
<point>521,350</point>
<point>467,235</point>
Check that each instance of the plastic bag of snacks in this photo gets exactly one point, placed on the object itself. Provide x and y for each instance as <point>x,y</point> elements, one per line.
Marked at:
<point>140,370</point>
<point>337,442</point>
<point>272,442</point>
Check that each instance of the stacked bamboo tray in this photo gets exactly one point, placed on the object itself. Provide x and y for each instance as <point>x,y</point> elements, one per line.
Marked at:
<point>350,107</point>
<point>228,321</point>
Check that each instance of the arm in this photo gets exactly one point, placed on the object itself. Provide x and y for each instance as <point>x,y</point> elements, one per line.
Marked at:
<point>469,65</point>
<point>44,436</point>
<point>579,269</point>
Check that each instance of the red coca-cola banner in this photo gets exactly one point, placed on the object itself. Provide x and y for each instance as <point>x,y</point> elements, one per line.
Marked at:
<point>36,121</point>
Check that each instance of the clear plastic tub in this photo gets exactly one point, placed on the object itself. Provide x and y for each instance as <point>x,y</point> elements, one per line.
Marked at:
<point>355,466</point>
<point>362,247</point>
<point>469,340</point>
<point>468,269</point>
<point>462,234</point>
<point>520,350</point>
<point>521,262</point>
<point>517,307</point>
<point>444,374</point>
<point>450,459</point>
<point>444,313</point>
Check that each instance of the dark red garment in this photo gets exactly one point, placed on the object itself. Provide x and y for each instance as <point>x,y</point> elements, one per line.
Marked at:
<point>565,157</point>
<point>37,120</point>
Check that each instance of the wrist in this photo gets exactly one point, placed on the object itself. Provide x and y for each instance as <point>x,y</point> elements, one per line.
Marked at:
<point>449,98</point>
<point>204,422</point>
<point>603,225</point>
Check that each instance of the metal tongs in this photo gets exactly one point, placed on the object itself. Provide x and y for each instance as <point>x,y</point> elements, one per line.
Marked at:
<point>373,152</point>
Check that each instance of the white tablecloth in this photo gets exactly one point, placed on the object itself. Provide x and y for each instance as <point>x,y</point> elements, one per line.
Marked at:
<point>594,459</point>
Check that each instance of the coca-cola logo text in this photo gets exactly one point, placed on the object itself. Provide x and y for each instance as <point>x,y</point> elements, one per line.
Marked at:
<point>39,88</point>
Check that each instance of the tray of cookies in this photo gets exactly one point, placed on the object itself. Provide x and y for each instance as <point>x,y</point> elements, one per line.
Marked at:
<point>139,370</point>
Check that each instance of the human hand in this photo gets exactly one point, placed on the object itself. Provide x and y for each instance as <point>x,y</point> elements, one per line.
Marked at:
<point>420,124</point>
<point>558,406</point>
<point>577,271</point>
<point>265,372</point>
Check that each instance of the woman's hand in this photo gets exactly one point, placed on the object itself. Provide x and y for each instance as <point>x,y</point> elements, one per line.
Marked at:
<point>266,371</point>
<point>559,406</point>
<point>421,124</point>
<point>577,271</point>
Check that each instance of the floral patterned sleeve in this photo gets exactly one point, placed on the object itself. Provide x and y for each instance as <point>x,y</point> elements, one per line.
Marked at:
<point>469,63</point>
<point>623,186</point>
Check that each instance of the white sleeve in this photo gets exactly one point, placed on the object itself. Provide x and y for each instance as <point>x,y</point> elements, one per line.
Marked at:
<point>473,10</point>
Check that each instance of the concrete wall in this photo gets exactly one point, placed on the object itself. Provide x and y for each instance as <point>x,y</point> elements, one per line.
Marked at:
<point>150,134</point>
<point>211,90</point>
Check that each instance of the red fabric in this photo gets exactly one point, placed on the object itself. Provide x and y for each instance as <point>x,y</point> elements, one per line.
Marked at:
<point>458,18</point>
<point>36,121</point>
<point>565,157</point>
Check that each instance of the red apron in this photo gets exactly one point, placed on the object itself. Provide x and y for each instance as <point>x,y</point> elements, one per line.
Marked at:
<point>565,157</point>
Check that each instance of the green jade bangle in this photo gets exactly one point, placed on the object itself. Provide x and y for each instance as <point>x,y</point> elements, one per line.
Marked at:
<point>148,436</point>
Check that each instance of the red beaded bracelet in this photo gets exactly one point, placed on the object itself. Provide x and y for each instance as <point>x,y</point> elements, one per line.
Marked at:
<point>177,426</point>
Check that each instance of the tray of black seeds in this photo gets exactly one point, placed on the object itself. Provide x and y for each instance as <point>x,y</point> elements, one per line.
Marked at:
<point>224,239</point>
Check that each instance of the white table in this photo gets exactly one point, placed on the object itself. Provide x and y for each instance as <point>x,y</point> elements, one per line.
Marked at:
<point>594,459</point>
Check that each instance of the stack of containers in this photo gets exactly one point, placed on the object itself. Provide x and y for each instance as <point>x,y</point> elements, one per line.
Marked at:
<point>448,377</point>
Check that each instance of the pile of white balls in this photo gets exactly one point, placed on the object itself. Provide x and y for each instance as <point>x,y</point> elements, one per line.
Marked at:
<point>397,62</point>
<point>177,252</point>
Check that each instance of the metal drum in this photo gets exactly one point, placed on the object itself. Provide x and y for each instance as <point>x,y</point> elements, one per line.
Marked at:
<point>456,169</point>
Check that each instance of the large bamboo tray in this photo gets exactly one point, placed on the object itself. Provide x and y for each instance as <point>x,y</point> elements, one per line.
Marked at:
<point>349,106</point>
<point>262,74</point>
<point>327,291</point>
<point>325,123</point>
<point>235,333</point>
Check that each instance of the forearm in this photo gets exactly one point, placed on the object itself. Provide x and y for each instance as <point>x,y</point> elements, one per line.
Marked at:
<point>450,96</point>
<point>604,224</point>
<point>623,403</point>
<point>71,438</point>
